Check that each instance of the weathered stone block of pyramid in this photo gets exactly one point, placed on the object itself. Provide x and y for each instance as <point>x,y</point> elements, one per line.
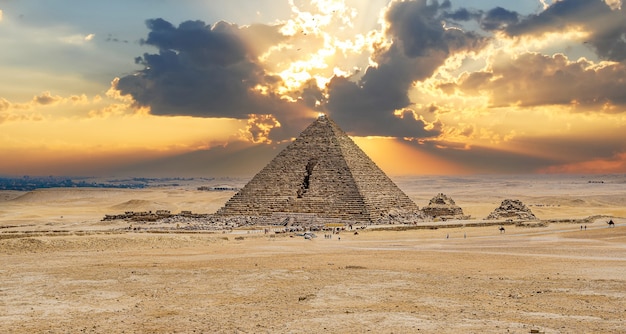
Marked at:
<point>323,172</point>
<point>512,209</point>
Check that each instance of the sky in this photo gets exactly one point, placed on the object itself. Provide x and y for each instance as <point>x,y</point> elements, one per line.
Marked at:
<point>218,88</point>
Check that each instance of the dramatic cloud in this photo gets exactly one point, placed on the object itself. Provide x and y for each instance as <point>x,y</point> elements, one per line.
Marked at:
<point>420,43</point>
<point>202,71</point>
<point>532,79</point>
<point>461,14</point>
<point>273,76</point>
<point>498,18</point>
<point>259,127</point>
<point>216,71</point>
<point>206,71</point>
<point>530,85</point>
<point>358,113</point>
<point>607,26</point>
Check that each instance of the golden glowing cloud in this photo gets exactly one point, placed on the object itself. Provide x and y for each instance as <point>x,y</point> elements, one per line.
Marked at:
<point>614,4</point>
<point>498,98</point>
<point>258,128</point>
<point>321,33</point>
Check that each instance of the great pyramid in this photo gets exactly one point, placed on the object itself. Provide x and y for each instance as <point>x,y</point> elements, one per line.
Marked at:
<point>323,174</point>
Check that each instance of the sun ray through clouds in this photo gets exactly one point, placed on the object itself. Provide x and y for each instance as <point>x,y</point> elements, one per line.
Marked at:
<point>467,87</point>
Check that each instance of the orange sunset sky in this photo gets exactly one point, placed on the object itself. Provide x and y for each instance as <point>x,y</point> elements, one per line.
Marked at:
<point>217,88</point>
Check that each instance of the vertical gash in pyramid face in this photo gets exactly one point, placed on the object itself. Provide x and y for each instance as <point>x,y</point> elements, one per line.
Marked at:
<point>323,174</point>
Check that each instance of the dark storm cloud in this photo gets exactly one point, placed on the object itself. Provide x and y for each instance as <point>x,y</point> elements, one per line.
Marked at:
<point>420,44</point>
<point>494,19</point>
<point>461,14</point>
<point>606,26</point>
<point>311,94</point>
<point>368,120</point>
<point>417,27</point>
<point>206,46</point>
<point>498,18</point>
<point>533,79</point>
<point>203,71</point>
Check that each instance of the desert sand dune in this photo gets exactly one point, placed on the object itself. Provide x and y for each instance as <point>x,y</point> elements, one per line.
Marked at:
<point>6,195</point>
<point>556,280</point>
<point>73,272</point>
<point>141,205</point>
<point>51,208</point>
<point>65,194</point>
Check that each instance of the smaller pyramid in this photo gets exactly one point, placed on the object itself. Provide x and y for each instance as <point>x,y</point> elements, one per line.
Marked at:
<point>442,206</point>
<point>512,209</point>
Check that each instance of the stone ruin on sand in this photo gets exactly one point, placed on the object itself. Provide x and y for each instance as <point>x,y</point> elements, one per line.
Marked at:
<point>512,209</point>
<point>443,207</point>
<point>323,176</point>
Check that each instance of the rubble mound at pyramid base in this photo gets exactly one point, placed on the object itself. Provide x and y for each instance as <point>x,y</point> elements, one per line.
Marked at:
<point>286,222</point>
<point>512,209</point>
<point>443,207</point>
<point>314,221</point>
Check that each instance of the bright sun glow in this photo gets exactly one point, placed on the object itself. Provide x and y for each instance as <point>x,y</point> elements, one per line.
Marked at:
<point>315,43</point>
<point>538,82</point>
<point>397,158</point>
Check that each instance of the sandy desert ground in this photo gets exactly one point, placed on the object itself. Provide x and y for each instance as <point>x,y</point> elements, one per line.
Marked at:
<point>65,271</point>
